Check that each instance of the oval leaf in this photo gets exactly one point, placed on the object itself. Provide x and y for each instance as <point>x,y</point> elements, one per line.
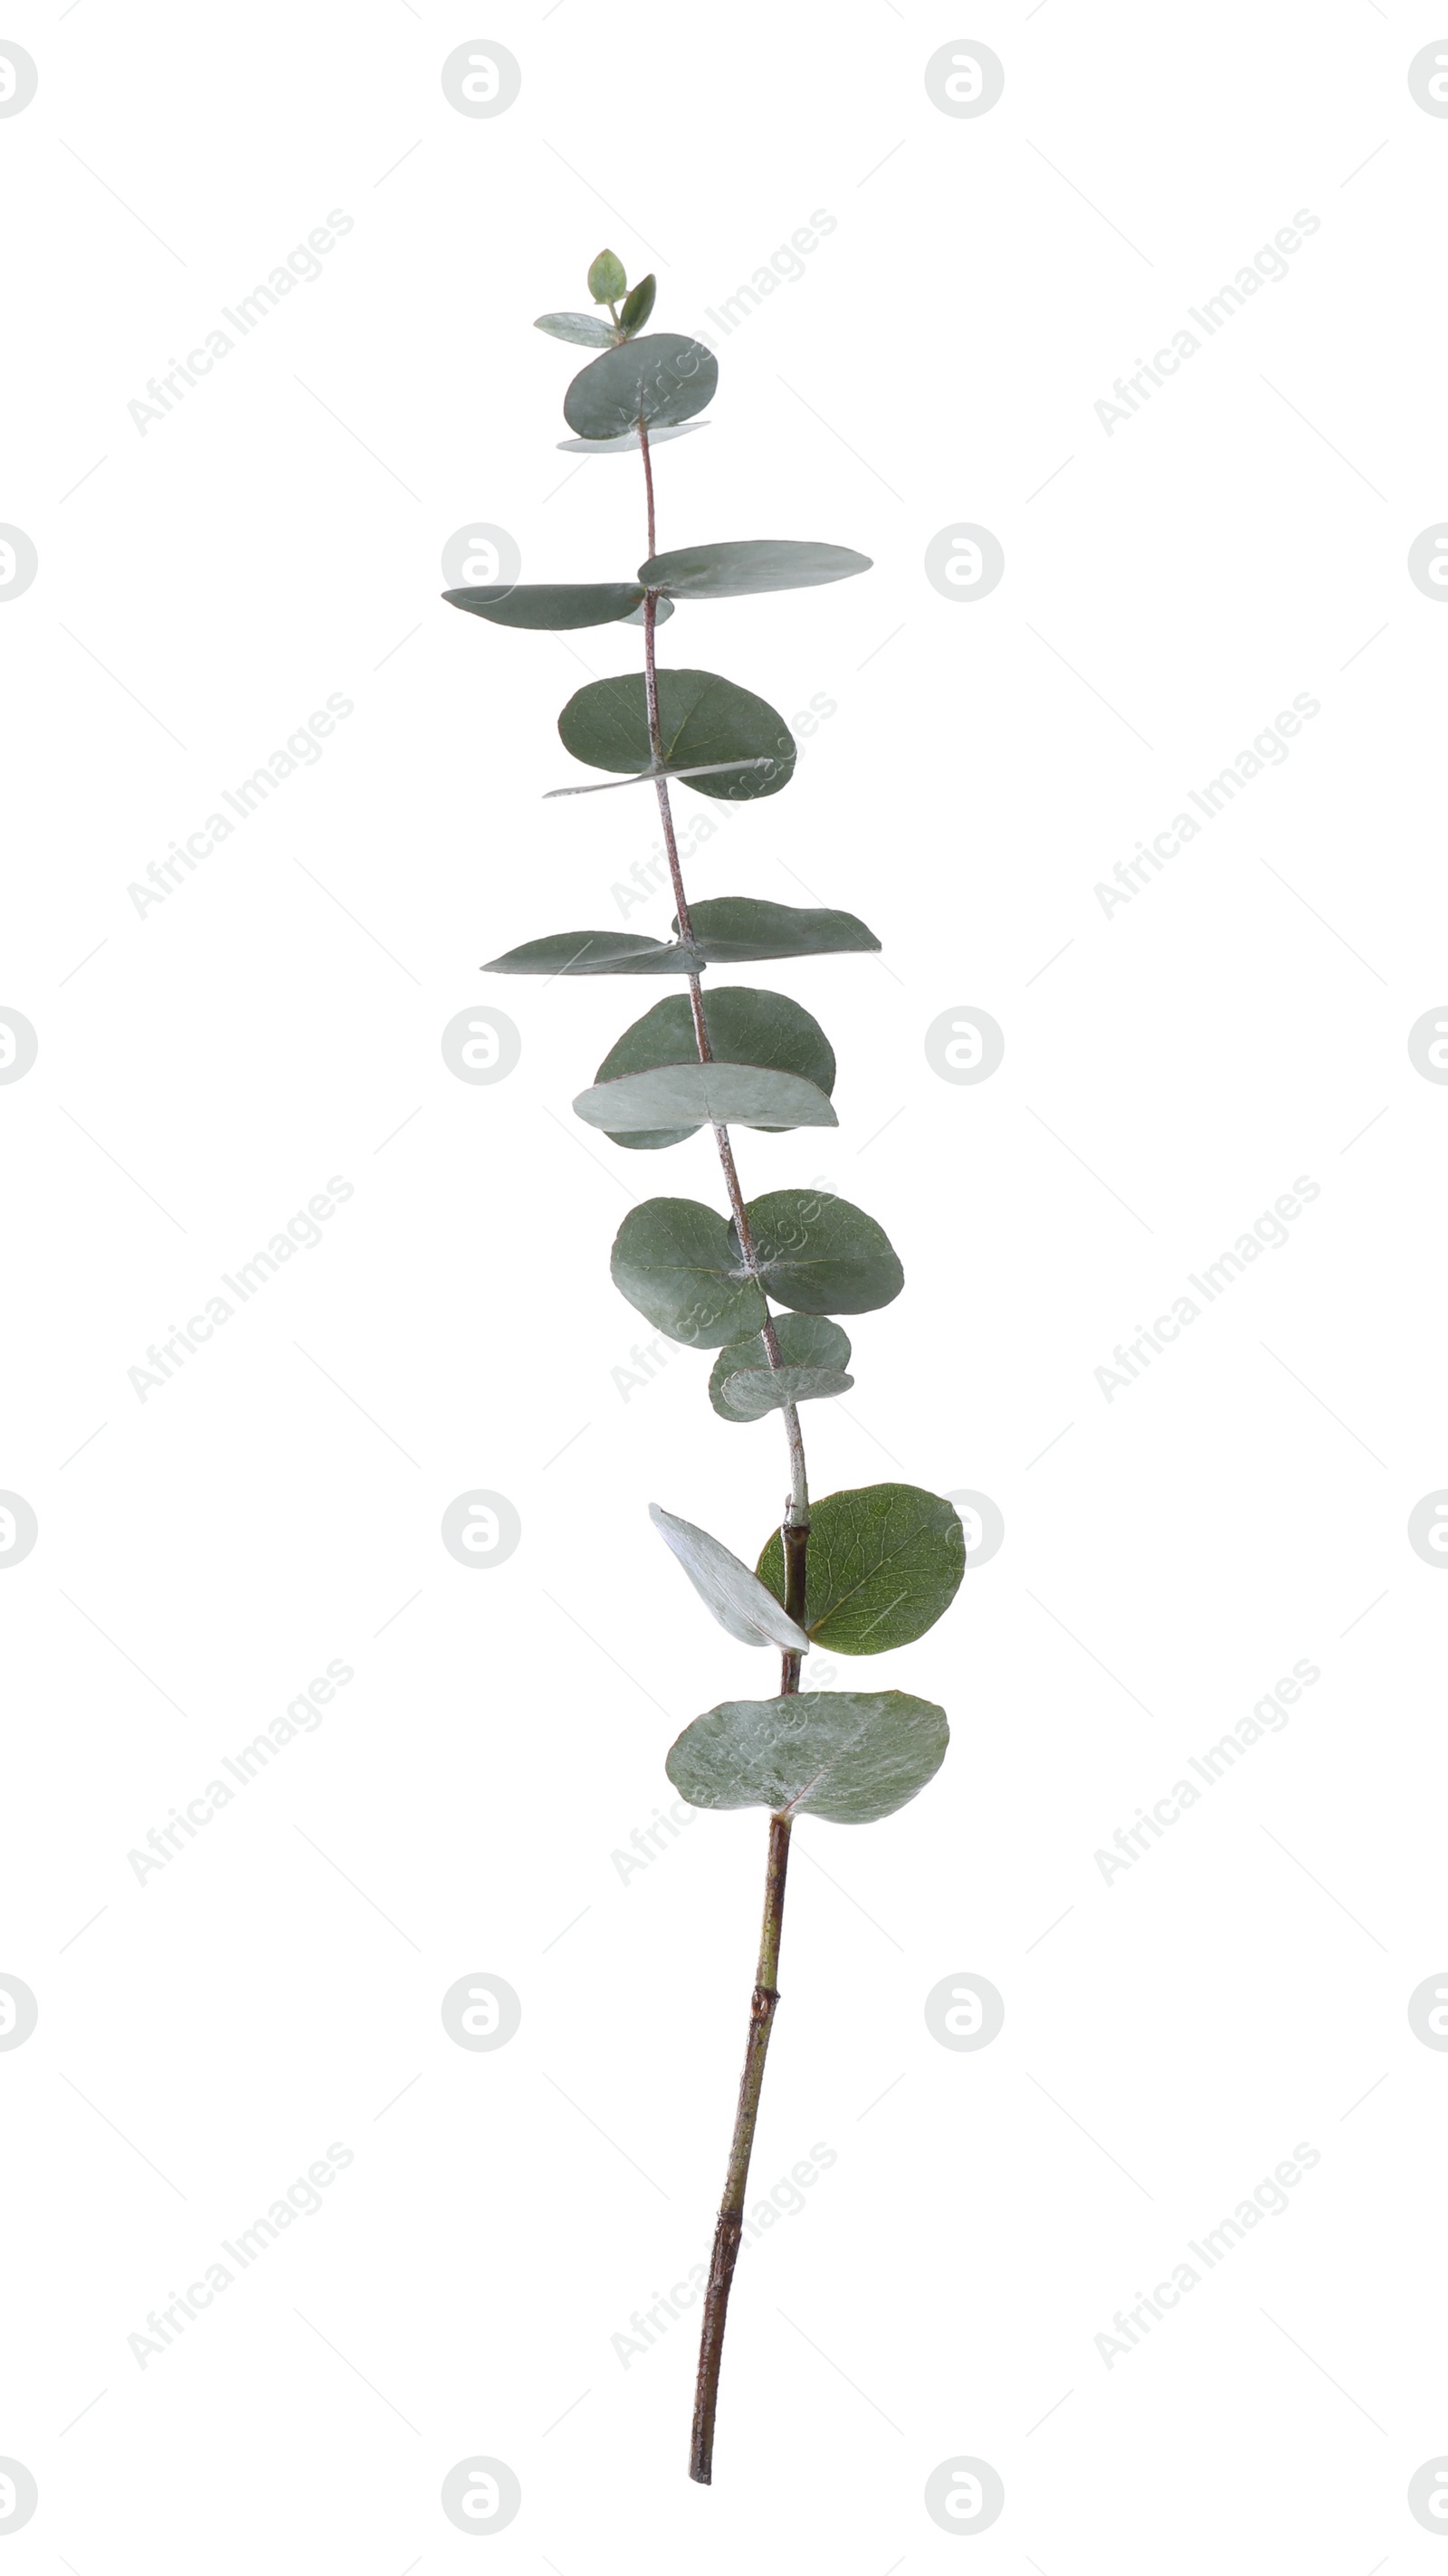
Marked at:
<point>850,1756</point>
<point>628,443</point>
<point>721,1095</point>
<point>638,305</point>
<point>755,563</point>
<point>737,1598</point>
<point>883,1563</point>
<point>550,604</point>
<point>660,378</point>
<point>730,929</point>
<point>678,1263</point>
<point>743,1387</point>
<point>744,1025</point>
<point>597,952</point>
<point>755,1392</point>
<point>607,278</point>
<point>822,1255</point>
<point>584,329</point>
<point>702,719</point>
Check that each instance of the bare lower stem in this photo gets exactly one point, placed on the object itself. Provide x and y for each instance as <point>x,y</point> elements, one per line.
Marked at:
<point>794,1537</point>
<point>730,2224</point>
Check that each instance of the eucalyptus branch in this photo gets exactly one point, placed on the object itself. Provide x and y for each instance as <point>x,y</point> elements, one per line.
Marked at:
<point>729,2226</point>
<point>861,1571</point>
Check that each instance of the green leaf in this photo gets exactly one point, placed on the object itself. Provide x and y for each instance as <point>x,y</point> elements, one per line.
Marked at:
<point>816,1354</point>
<point>883,1563</point>
<point>850,1756</point>
<point>638,305</point>
<point>744,1026</point>
<point>663,608</point>
<point>679,1264</point>
<point>584,329</point>
<point>628,442</point>
<point>701,719</point>
<point>606,278</point>
<point>757,563</point>
<point>736,1597</point>
<point>821,1255</point>
<point>550,604</point>
<point>597,952</point>
<point>660,378</point>
<point>725,1095</point>
<point>730,929</point>
<point>755,1392</point>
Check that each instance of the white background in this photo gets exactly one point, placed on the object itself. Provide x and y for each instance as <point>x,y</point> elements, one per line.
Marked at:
<point>1170,1069</point>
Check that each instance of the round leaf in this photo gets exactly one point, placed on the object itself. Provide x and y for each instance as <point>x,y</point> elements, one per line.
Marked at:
<point>737,1598</point>
<point>755,1392</point>
<point>701,719</point>
<point>756,563</point>
<point>678,1263</point>
<point>822,1255</point>
<point>550,604</point>
<point>724,1095</point>
<point>732,929</point>
<point>660,378</point>
<point>850,1756</point>
<point>816,1353</point>
<point>596,952</point>
<point>745,1026</point>
<point>584,329</point>
<point>883,1563</point>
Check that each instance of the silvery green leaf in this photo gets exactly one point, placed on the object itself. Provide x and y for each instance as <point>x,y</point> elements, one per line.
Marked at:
<point>721,1095</point>
<point>597,952</point>
<point>679,1264</point>
<point>661,377</point>
<point>850,1756</point>
<point>584,329</point>
<point>703,721</point>
<point>628,443</point>
<point>737,1598</point>
<point>734,571</point>
<point>884,1562</point>
<point>743,1025</point>
<point>822,1255</point>
<point>732,929</point>
<point>550,604</point>
<point>641,777</point>
<point>815,1352</point>
<point>749,1394</point>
